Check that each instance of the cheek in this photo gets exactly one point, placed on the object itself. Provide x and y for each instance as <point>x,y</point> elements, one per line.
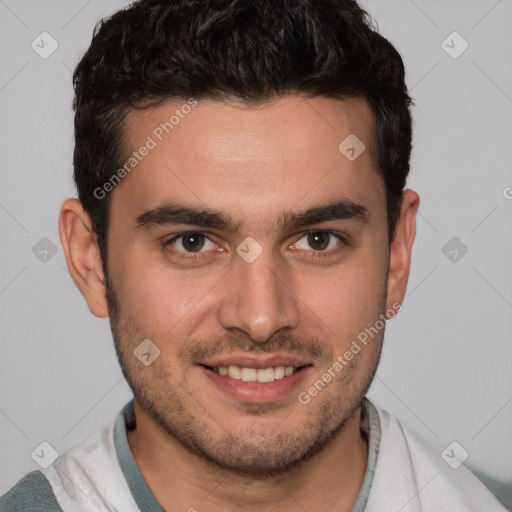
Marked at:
<point>349,296</point>
<point>158,298</point>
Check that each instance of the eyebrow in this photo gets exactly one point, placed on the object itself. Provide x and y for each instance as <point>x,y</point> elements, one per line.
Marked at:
<point>177,213</point>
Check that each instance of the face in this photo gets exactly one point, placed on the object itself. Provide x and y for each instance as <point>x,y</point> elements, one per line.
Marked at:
<point>246,246</point>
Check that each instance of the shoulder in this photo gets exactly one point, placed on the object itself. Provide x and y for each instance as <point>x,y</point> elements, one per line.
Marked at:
<point>86,478</point>
<point>89,477</point>
<point>415,474</point>
<point>33,493</point>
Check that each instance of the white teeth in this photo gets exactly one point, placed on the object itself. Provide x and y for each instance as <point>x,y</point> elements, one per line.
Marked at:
<point>233,372</point>
<point>256,375</point>
<point>279,372</point>
<point>265,375</point>
<point>248,374</point>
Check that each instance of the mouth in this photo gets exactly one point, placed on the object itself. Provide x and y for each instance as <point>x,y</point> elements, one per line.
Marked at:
<point>257,380</point>
<point>262,375</point>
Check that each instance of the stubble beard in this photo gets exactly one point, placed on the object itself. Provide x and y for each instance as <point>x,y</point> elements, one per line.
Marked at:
<point>255,452</point>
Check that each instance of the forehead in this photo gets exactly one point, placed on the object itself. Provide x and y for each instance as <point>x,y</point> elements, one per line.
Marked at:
<point>238,157</point>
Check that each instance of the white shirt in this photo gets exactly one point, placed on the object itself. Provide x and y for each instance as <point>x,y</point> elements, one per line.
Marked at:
<point>405,473</point>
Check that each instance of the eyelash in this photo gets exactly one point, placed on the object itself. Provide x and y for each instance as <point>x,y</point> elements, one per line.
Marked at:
<point>308,254</point>
<point>342,242</point>
<point>189,255</point>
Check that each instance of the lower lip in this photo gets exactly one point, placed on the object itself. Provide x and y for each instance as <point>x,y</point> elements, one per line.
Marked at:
<point>258,391</point>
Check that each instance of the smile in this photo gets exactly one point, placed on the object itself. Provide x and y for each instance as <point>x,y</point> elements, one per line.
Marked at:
<point>246,374</point>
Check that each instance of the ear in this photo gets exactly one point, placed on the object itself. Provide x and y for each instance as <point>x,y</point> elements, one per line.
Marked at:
<point>83,255</point>
<point>400,249</point>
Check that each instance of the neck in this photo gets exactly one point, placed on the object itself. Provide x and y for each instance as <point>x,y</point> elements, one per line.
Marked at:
<point>180,480</point>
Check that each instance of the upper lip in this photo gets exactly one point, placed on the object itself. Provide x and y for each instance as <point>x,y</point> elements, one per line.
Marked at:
<point>247,361</point>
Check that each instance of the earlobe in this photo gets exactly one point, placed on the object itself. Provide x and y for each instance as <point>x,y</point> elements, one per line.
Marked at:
<point>401,248</point>
<point>83,255</point>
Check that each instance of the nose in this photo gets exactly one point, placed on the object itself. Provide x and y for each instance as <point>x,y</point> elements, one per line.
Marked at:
<point>259,298</point>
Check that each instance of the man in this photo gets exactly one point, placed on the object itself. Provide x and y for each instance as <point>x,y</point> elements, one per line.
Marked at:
<point>243,222</point>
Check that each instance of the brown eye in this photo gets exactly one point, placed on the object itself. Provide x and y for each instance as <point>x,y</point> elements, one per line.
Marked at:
<point>318,240</point>
<point>191,242</point>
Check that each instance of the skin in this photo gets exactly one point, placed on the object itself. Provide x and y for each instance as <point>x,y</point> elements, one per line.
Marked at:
<point>195,444</point>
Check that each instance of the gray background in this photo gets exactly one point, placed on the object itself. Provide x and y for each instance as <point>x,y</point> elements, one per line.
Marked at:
<point>447,356</point>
